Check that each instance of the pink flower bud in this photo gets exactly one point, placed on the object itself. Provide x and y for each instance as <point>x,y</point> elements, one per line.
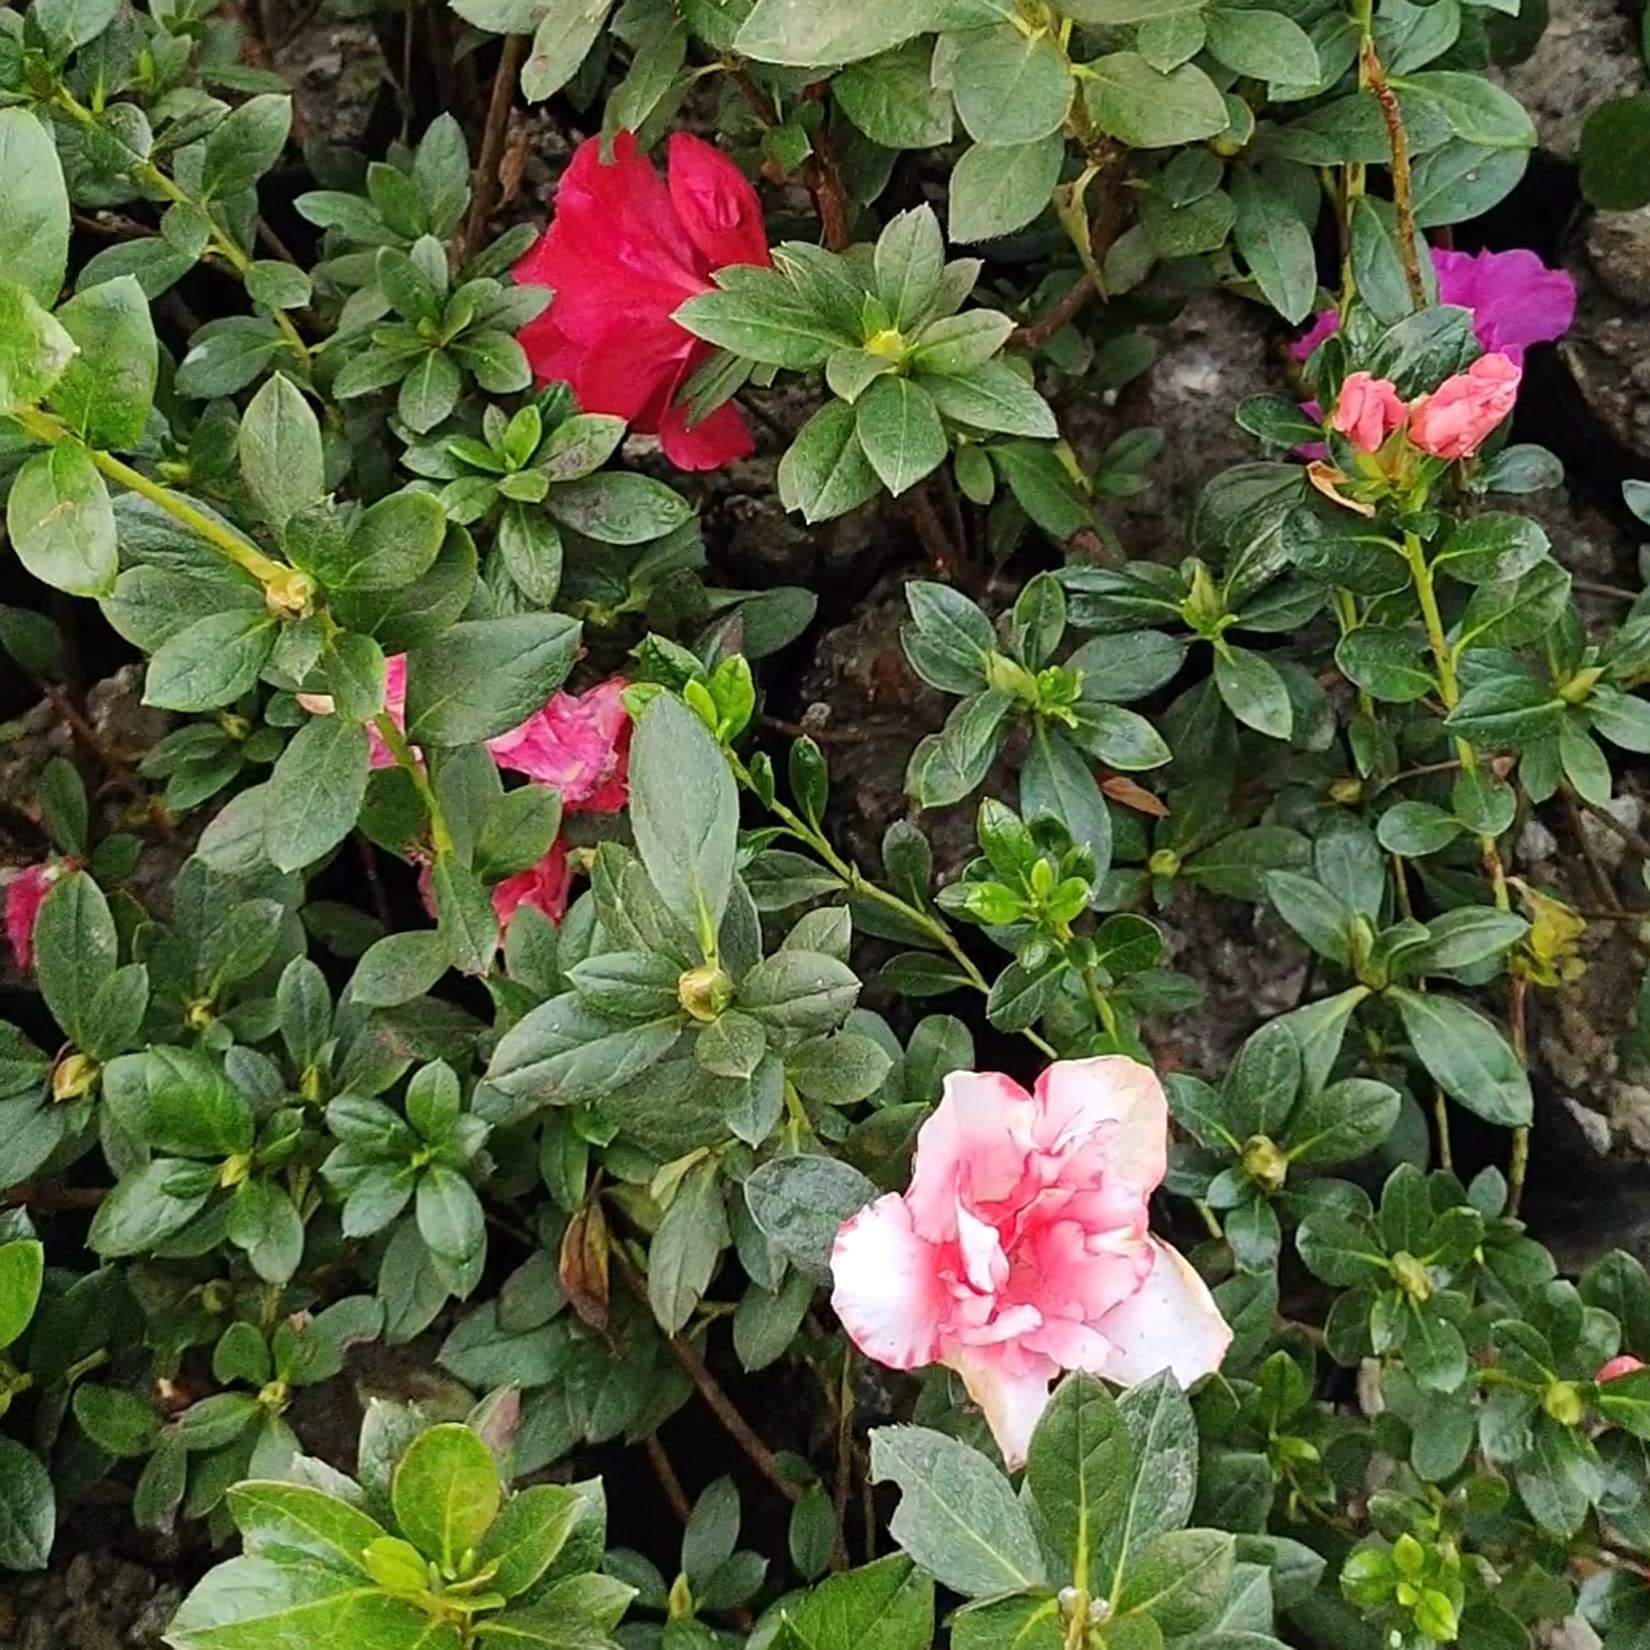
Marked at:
<point>1626,1364</point>
<point>1368,411</point>
<point>1455,420</point>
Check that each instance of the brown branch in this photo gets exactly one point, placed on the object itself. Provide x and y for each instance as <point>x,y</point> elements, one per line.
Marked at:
<point>830,198</point>
<point>844,1459</point>
<point>668,1481</point>
<point>510,58</point>
<point>50,1199</point>
<point>91,742</point>
<point>1608,820</point>
<point>931,533</point>
<point>893,728</point>
<point>1068,306</point>
<point>710,1389</point>
<point>1403,195</point>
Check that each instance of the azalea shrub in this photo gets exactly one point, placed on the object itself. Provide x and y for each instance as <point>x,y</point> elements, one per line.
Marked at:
<point>467,1015</point>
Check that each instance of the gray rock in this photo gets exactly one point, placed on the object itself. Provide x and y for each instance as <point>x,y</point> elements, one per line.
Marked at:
<point>1587,54</point>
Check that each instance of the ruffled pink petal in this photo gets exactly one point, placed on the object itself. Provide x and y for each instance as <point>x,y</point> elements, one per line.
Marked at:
<point>984,1263</point>
<point>718,438</point>
<point>1012,1390</point>
<point>1113,1102</point>
<point>25,894</point>
<point>578,743</point>
<point>974,1147</point>
<point>1171,1323</point>
<point>544,886</point>
<point>716,205</point>
<point>887,1288</point>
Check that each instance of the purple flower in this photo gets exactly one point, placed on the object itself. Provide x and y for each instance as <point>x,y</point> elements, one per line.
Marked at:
<point>1515,299</point>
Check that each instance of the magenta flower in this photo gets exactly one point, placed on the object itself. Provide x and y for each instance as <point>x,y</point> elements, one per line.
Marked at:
<point>1515,299</point>
<point>1021,1247</point>
<point>25,894</point>
<point>578,743</point>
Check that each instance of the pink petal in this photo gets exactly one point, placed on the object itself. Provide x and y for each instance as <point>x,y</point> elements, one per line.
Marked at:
<point>544,886</point>
<point>577,743</point>
<point>716,205</point>
<point>1078,1099</point>
<point>1171,1323</point>
<point>1515,299</point>
<point>1013,1392</point>
<point>25,894</point>
<point>974,1147</point>
<point>887,1291</point>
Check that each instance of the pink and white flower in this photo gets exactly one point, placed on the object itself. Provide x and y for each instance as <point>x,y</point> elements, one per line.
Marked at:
<point>1021,1249</point>
<point>25,894</point>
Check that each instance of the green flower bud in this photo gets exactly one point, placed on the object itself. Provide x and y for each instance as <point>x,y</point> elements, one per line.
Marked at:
<point>1265,1164</point>
<point>704,992</point>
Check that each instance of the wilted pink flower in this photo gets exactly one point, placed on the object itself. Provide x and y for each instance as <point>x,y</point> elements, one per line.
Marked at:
<point>1625,1364</point>
<point>1515,299</point>
<point>543,886</point>
<point>25,894</point>
<point>1021,1247</point>
<point>1368,411</point>
<point>624,251</point>
<point>1460,415</point>
<point>577,743</point>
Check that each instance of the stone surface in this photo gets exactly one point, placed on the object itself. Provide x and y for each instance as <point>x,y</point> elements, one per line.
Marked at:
<point>1586,54</point>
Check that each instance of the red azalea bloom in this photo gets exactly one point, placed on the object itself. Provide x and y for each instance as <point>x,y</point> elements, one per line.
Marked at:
<point>544,886</point>
<point>25,894</point>
<point>624,250</point>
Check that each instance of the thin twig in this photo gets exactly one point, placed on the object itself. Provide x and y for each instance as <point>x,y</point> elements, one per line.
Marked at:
<point>510,58</point>
<point>1590,587</point>
<point>49,1199</point>
<point>1518,1167</point>
<point>829,197</point>
<point>92,743</point>
<point>1608,820</point>
<point>931,533</point>
<point>864,735</point>
<point>669,1482</point>
<point>844,1458</point>
<point>1403,195</point>
<point>1071,303</point>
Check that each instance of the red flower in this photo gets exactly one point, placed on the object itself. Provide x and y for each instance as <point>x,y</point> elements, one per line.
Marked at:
<point>544,886</point>
<point>624,250</point>
<point>25,894</point>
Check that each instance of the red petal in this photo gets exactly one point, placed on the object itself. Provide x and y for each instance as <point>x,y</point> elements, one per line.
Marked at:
<point>717,439</point>
<point>716,205</point>
<point>632,371</point>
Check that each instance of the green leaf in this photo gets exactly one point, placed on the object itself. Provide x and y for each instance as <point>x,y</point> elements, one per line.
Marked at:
<point>119,1423</point>
<point>1269,233</point>
<point>991,396</point>
<point>279,1519</point>
<point>1056,781</point>
<point>1467,1057</point>
<point>280,451</point>
<point>527,1536</point>
<point>315,792</point>
<point>1342,1121</point>
<point>22,1265</point>
<point>684,811</point>
<point>957,1516</point>
<point>466,921</point>
<point>765,318</point>
<point>446,1493</point>
<point>891,98</point>
<point>684,1250</point>
<point>1163,1467</point>
<point>1478,110</point>
<point>1320,919</point>
<point>886,1605</point>
<point>825,473</point>
<point>1386,664</point>
<point>900,433</point>
<point>1511,612</point>
<point>907,262</point>
<point>996,189</point>
<point>140,1213</point>
<point>61,522</point>
<point>34,232</point>
<point>212,662</point>
<point>1253,690</point>
<point>1180,1579</point>
<point>800,33</point>
<point>1263,44</point>
<point>245,144</point>
<point>28,1507</point>
<point>1009,86</point>
<point>1130,100</point>
<point>34,347</point>
<point>106,390</point>
<point>485,676</point>
<point>799,1202</point>
<point>796,990</point>
<point>178,1102</point>
<point>429,392</point>
<point>1615,155</point>
<point>1078,1471</point>
<point>75,946</point>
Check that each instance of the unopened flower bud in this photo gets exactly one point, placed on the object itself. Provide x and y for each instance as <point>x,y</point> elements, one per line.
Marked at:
<point>73,1077</point>
<point>704,992</point>
<point>1265,1164</point>
<point>1563,1402</point>
<point>1411,1276</point>
<point>1164,863</point>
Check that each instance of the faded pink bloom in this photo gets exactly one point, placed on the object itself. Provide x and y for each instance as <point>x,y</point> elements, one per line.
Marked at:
<point>1625,1364</point>
<point>1368,411</point>
<point>1021,1247</point>
<point>543,886</point>
<point>1460,415</point>
<point>25,894</point>
<point>578,743</point>
<point>1515,299</point>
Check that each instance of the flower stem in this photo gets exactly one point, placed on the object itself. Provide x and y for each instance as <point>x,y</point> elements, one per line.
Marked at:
<point>395,741</point>
<point>1374,78</point>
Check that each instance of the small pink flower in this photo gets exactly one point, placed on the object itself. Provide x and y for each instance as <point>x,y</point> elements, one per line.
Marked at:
<point>1464,411</point>
<point>25,894</point>
<point>543,886</point>
<point>1625,1364</point>
<point>1368,411</point>
<point>1021,1247</point>
<point>578,744</point>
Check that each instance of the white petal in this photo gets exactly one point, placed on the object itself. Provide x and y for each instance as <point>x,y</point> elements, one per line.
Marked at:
<point>1013,1403</point>
<point>1077,1097</point>
<point>1171,1323</point>
<point>887,1291</point>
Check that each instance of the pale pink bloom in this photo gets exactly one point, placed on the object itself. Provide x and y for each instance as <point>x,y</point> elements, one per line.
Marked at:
<point>1625,1364</point>
<point>395,702</point>
<point>578,744</point>
<point>25,894</point>
<point>1368,411</point>
<point>1464,411</point>
<point>543,886</point>
<point>1021,1247</point>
